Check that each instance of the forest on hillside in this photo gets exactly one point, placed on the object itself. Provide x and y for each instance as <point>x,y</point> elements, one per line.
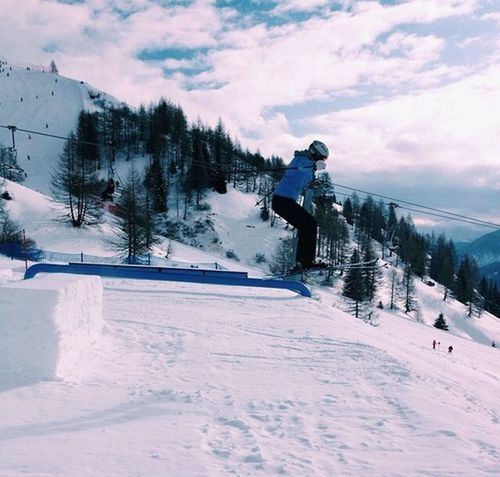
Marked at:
<point>184,161</point>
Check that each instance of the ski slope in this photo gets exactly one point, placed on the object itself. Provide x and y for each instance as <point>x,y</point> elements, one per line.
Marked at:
<point>195,380</point>
<point>43,102</point>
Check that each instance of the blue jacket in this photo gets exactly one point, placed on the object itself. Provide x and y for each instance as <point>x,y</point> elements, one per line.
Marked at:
<point>298,176</point>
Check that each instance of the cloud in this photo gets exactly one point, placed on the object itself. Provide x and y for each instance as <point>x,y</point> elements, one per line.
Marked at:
<point>399,86</point>
<point>299,6</point>
<point>415,130</point>
<point>282,65</point>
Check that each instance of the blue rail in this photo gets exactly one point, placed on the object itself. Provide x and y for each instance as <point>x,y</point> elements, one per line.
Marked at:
<point>174,274</point>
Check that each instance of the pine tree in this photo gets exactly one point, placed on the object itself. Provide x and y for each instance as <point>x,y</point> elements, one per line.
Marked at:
<point>136,233</point>
<point>283,259</point>
<point>390,235</point>
<point>494,295</point>
<point>221,154</point>
<point>371,219</point>
<point>488,297</point>
<point>156,183</point>
<point>412,246</point>
<point>483,290</point>
<point>172,168</point>
<point>348,211</point>
<point>365,222</point>
<point>354,285</point>
<point>333,232</point>
<point>53,67</point>
<point>410,303</point>
<point>87,138</point>
<point>370,275</point>
<point>394,287</point>
<point>440,323</point>
<point>442,264</point>
<point>465,282</point>
<point>198,178</point>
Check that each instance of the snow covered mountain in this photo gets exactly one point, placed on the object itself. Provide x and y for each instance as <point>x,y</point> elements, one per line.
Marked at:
<point>486,251</point>
<point>200,380</point>
<point>45,102</point>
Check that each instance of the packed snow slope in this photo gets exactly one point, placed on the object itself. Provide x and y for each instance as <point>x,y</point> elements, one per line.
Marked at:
<point>199,380</point>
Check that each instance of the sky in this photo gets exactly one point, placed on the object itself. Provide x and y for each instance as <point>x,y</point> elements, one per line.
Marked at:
<point>402,92</point>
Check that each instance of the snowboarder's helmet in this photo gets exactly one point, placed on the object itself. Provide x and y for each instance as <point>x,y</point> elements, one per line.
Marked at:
<point>318,151</point>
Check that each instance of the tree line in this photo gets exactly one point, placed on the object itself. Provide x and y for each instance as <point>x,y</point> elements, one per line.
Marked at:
<point>187,160</point>
<point>184,161</point>
<point>421,255</point>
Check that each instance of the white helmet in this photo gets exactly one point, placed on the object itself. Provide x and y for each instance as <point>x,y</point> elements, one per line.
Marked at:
<point>318,151</point>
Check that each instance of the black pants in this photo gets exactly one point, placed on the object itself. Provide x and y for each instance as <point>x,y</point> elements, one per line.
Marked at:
<point>305,224</point>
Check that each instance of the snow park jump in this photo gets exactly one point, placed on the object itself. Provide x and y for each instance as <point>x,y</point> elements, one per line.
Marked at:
<point>188,275</point>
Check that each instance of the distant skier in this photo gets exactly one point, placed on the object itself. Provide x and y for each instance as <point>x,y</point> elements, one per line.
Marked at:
<point>299,174</point>
<point>109,191</point>
<point>434,343</point>
<point>450,349</point>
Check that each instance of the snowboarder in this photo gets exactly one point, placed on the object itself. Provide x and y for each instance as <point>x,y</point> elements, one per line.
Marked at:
<point>450,349</point>
<point>299,174</point>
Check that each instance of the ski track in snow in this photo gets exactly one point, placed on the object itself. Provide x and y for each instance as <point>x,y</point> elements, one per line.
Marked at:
<point>269,384</point>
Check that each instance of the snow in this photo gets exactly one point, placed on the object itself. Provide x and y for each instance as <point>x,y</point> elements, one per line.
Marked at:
<point>198,380</point>
<point>42,219</point>
<point>33,100</point>
<point>48,324</point>
<point>240,228</point>
<point>148,378</point>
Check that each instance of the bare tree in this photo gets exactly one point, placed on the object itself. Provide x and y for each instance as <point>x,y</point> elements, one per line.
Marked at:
<point>75,183</point>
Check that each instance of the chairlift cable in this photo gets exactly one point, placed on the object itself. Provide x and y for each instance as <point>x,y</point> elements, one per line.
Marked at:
<point>256,170</point>
<point>55,136</point>
<point>464,220</point>
<point>398,201</point>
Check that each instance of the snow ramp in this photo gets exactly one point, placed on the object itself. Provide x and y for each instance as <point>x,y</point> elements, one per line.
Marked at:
<point>49,326</point>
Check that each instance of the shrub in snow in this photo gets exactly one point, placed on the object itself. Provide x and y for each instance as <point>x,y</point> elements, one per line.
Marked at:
<point>230,254</point>
<point>440,322</point>
<point>260,258</point>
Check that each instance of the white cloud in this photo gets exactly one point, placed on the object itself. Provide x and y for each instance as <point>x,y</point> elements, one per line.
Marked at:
<point>299,6</point>
<point>453,128</point>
